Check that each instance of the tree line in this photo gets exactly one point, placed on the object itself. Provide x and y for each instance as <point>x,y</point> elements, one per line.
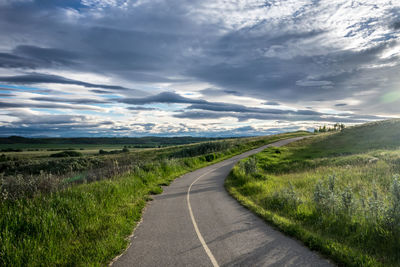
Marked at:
<point>336,127</point>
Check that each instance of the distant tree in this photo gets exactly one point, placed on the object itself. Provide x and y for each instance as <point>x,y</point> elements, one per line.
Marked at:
<point>336,126</point>
<point>342,127</point>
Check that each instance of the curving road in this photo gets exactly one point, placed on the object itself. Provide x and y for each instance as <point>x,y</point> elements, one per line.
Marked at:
<point>194,222</point>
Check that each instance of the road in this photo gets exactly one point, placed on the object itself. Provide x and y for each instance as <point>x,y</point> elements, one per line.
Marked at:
<point>195,222</point>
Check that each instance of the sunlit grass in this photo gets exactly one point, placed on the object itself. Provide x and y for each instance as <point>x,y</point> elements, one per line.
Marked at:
<point>339,193</point>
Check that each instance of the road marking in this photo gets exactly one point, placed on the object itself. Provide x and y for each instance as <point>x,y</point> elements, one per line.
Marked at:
<point>235,158</point>
<point>196,228</point>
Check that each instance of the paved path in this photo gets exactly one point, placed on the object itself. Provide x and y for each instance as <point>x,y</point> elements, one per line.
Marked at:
<point>207,227</point>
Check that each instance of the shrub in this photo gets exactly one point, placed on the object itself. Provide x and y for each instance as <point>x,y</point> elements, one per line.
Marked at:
<point>64,154</point>
<point>210,157</point>
<point>201,149</point>
<point>250,165</point>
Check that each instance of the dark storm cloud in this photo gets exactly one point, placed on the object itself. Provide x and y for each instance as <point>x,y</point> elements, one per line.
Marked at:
<point>286,116</point>
<point>219,92</point>
<point>28,124</point>
<point>46,56</point>
<point>279,77</point>
<point>33,57</point>
<point>141,108</point>
<point>160,34</point>
<point>71,101</point>
<point>271,103</point>
<point>101,91</point>
<point>35,78</point>
<point>195,104</point>
<point>140,52</point>
<point>396,25</point>
<point>212,106</point>
<point>165,98</point>
<point>12,61</point>
<point>236,49</point>
<point>6,95</point>
<point>7,105</point>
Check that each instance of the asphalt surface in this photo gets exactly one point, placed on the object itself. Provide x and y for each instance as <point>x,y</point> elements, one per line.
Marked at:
<point>207,227</point>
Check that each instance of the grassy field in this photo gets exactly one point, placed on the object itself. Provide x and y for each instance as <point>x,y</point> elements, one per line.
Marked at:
<point>337,192</point>
<point>29,148</point>
<point>61,222</point>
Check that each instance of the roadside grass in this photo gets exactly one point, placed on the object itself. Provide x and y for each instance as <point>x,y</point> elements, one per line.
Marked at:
<point>88,224</point>
<point>338,193</point>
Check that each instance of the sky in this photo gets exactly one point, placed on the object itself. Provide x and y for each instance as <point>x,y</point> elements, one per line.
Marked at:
<point>199,68</point>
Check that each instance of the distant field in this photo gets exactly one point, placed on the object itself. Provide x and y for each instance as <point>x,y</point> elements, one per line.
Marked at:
<point>44,150</point>
<point>337,192</point>
<point>42,147</point>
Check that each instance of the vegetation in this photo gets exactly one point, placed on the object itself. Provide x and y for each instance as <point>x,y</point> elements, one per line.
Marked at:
<point>66,154</point>
<point>82,218</point>
<point>324,129</point>
<point>104,152</point>
<point>337,192</point>
<point>150,141</point>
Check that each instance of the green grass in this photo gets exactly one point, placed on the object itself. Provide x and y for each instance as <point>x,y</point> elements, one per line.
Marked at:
<point>338,192</point>
<point>88,224</point>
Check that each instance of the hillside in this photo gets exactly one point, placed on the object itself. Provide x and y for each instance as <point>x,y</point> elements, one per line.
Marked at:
<point>337,192</point>
<point>375,135</point>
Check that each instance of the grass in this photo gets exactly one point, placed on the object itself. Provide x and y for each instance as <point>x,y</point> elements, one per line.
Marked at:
<point>87,224</point>
<point>338,192</point>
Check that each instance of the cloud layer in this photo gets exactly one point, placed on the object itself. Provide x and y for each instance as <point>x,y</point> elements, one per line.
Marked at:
<point>241,67</point>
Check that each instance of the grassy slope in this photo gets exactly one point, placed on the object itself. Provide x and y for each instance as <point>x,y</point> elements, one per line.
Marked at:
<point>338,192</point>
<point>87,225</point>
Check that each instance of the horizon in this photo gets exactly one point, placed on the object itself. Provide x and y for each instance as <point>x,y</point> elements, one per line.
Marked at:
<point>121,68</point>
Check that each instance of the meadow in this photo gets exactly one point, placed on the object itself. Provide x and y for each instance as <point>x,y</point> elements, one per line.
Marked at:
<point>338,192</point>
<point>28,148</point>
<point>79,211</point>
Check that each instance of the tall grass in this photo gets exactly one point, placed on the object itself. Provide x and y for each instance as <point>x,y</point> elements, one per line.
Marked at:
<point>345,204</point>
<point>85,222</point>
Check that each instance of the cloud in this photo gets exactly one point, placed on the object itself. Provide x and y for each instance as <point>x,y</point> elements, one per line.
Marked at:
<point>35,78</point>
<point>313,83</point>
<point>271,103</point>
<point>141,108</point>
<point>239,53</point>
<point>164,97</point>
<point>12,61</point>
<point>69,100</point>
<point>219,92</point>
<point>6,95</point>
<point>396,25</point>
<point>284,116</point>
<point>146,126</point>
<point>8,105</point>
<point>47,56</point>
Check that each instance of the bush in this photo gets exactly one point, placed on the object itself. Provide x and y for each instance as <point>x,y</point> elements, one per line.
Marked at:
<point>209,157</point>
<point>11,150</point>
<point>250,165</point>
<point>64,154</point>
<point>201,149</point>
